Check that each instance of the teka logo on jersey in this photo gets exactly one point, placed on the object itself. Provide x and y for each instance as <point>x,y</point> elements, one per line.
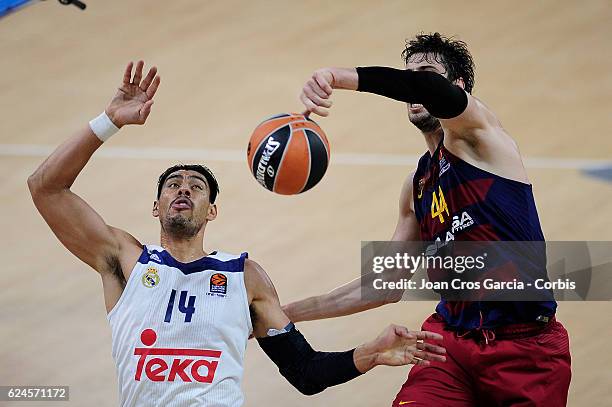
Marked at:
<point>271,146</point>
<point>186,365</point>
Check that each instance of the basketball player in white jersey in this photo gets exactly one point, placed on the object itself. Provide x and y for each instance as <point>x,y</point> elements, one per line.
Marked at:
<point>181,317</point>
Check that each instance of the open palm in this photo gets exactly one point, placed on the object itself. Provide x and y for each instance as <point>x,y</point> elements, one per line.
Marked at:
<point>134,98</point>
<point>397,346</point>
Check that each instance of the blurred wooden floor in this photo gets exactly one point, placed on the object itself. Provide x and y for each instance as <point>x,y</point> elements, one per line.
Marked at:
<point>225,65</point>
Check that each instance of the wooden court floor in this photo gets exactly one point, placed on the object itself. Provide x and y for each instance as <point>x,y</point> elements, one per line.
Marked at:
<point>226,65</point>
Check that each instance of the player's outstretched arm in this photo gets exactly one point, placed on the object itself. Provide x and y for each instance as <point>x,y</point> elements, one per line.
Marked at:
<point>447,101</point>
<point>312,371</point>
<point>71,219</point>
<point>359,295</point>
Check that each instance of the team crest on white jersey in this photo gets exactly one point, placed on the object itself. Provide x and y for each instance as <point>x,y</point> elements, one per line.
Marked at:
<point>150,279</point>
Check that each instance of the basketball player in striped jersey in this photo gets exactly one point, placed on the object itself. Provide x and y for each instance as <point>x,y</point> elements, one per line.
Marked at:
<point>181,317</point>
<point>469,185</point>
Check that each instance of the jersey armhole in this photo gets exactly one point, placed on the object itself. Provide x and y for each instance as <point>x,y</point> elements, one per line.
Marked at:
<point>127,283</point>
<point>245,294</point>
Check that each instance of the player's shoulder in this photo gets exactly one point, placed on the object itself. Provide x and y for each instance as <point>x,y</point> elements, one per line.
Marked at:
<point>253,270</point>
<point>256,280</point>
<point>125,240</point>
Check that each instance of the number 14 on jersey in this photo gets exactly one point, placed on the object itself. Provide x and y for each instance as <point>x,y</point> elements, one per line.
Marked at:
<point>185,306</point>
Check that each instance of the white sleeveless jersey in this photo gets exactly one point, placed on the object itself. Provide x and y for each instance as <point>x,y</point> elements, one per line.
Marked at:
<point>180,331</point>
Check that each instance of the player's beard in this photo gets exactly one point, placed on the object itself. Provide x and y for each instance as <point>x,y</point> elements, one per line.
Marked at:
<point>424,121</point>
<point>181,226</point>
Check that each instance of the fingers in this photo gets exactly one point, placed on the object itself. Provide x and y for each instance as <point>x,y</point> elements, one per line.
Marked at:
<point>403,332</point>
<point>419,355</point>
<point>429,347</point>
<point>315,98</point>
<point>148,79</point>
<point>138,73</point>
<point>312,107</point>
<point>316,88</point>
<point>323,82</point>
<point>145,111</point>
<point>418,335</point>
<point>422,335</point>
<point>316,92</point>
<point>153,88</point>
<point>127,75</point>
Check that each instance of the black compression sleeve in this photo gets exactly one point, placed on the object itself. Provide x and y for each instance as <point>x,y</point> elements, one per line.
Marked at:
<point>440,97</point>
<point>307,370</point>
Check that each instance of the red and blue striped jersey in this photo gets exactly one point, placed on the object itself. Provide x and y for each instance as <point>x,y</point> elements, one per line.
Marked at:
<point>454,200</point>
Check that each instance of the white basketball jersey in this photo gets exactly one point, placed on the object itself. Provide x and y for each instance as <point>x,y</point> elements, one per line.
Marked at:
<point>180,331</point>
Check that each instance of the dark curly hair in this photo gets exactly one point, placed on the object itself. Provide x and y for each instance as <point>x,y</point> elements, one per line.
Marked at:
<point>451,53</point>
<point>202,169</point>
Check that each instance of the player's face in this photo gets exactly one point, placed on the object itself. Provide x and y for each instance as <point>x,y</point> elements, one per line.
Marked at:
<point>184,203</point>
<point>417,114</point>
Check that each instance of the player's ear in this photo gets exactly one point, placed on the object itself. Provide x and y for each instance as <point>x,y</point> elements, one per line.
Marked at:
<point>460,82</point>
<point>155,211</point>
<point>212,212</point>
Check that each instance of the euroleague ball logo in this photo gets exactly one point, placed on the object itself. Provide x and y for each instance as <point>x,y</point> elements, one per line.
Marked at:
<point>218,284</point>
<point>271,146</point>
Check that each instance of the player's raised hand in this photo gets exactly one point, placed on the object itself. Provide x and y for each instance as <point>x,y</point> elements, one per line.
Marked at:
<point>134,98</point>
<point>397,346</point>
<point>316,92</point>
<point>318,89</point>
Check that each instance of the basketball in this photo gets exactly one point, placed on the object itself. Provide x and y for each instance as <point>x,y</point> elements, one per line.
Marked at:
<point>288,153</point>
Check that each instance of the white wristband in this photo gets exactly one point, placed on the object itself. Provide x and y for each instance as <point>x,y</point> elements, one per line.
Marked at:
<point>103,127</point>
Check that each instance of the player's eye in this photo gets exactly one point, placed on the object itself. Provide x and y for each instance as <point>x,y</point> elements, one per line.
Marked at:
<point>173,185</point>
<point>199,187</point>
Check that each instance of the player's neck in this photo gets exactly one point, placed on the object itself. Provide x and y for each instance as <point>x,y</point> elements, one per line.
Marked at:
<point>184,249</point>
<point>432,139</point>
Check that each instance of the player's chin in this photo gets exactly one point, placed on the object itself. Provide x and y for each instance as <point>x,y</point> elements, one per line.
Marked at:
<point>181,216</point>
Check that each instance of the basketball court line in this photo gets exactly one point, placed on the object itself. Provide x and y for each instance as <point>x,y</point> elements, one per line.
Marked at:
<point>227,155</point>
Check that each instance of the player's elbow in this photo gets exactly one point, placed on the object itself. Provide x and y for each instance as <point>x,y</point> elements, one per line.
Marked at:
<point>41,186</point>
<point>305,387</point>
<point>392,299</point>
<point>309,391</point>
<point>35,184</point>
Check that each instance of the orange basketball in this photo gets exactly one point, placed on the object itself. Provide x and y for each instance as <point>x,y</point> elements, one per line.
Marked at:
<point>288,153</point>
